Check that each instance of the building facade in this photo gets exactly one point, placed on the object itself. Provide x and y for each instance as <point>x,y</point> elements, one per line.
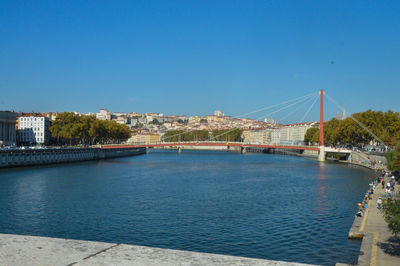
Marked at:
<point>145,138</point>
<point>8,121</point>
<point>268,136</point>
<point>33,129</point>
<point>103,114</point>
<point>293,134</point>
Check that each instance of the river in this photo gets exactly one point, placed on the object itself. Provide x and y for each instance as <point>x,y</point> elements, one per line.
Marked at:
<point>255,205</point>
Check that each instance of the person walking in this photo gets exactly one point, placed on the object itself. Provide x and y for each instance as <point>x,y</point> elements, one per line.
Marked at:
<point>379,202</point>
<point>388,192</point>
<point>383,184</point>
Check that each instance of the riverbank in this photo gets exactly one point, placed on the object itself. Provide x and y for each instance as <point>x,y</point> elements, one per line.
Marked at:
<point>379,246</point>
<point>32,157</point>
<point>34,250</point>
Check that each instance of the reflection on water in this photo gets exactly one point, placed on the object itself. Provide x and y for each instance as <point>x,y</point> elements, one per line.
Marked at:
<point>255,205</point>
<point>321,187</point>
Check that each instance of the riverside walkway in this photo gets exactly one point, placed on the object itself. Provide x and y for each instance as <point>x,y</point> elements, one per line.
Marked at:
<point>35,250</point>
<point>379,246</point>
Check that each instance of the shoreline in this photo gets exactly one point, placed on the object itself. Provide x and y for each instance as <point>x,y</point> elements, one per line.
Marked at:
<point>372,231</point>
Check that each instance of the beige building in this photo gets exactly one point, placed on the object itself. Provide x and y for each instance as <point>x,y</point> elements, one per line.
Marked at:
<point>246,136</point>
<point>218,113</point>
<point>194,119</point>
<point>52,115</point>
<point>268,136</point>
<point>257,136</point>
<point>214,118</point>
<point>8,135</point>
<point>145,138</point>
<point>294,133</point>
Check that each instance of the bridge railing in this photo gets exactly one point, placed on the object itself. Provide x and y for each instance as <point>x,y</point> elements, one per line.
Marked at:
<point>174,143</point>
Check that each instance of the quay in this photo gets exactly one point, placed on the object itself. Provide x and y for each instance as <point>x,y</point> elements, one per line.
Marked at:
<point>35,250</point>
<point>379,246</point>
<point>31,157</point>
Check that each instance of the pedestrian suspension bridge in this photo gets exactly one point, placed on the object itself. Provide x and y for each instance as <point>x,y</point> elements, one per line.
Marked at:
<point>320,149</point>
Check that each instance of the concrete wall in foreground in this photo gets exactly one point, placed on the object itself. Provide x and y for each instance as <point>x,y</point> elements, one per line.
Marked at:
<point>14,158</point>
<point>34,250</point>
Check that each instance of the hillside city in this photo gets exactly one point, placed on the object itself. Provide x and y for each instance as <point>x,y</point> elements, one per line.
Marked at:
<point>33,128</point>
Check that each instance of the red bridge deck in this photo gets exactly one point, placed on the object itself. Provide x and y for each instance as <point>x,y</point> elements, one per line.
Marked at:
<point>213,144</point>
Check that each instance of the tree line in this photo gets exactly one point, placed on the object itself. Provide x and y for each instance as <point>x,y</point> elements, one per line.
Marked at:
<point>347,132</point>
<point>392,205</point>
<point>72,129</point>
<point>203,135</point>
<point>393,159</point>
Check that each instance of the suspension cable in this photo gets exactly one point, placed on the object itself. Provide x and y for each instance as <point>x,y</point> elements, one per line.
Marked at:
<point>280,109</point>
<point>295,110</point>
<point>309,109</point>
<point>358,122</point>
<point>275,105</point>
<point>299,101</point>
<point>259,110</point>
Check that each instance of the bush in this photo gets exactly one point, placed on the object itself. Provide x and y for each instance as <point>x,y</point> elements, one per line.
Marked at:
<point>392,215</point>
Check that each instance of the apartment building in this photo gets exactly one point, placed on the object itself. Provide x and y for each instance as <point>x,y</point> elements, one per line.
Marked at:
<point>294,133</point>
<point>268,136</point>
<point>103,114</point>
<point>145,138</point>
<point>33,128</point>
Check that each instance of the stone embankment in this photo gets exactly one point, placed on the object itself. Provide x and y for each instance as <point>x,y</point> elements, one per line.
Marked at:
<point>34,250</point>
<point>29,157</point>
<point>379,246</point>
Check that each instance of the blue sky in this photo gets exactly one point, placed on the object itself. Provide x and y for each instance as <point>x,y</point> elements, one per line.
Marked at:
<point>194,57</point>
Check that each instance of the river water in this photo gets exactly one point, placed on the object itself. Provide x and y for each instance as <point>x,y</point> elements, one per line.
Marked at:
<point>255,205</point>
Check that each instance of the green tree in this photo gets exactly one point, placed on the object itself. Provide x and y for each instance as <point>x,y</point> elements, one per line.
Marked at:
<point>155,122</point>
<point>308,137</point>
<point>392,215</point>
<point>173,135</point>
<point>393,158</point>
<point>203,121</point>
<point>227,134</point>
<point>69,128</point>
<point>138,125</point>
<point>63,128</point>
<point>385,125</point>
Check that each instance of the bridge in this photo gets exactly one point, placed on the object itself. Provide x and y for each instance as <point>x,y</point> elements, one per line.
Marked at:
<point>227,145</point>
<point>321,149</point>
<point>231,144</point>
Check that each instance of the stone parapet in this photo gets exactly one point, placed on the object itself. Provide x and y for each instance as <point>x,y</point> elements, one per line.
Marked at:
<point>29,157</point>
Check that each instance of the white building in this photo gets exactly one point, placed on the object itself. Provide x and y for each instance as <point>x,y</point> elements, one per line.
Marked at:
<point>34,129</point>
<point>294,133</point>
<point>269,120</point>
<point>104,114</point>
<point>257,136</point>
<point>218,113</point>
<point>269,136</point>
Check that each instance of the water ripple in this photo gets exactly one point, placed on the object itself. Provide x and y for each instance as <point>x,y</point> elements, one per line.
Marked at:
<point>258,205</point>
